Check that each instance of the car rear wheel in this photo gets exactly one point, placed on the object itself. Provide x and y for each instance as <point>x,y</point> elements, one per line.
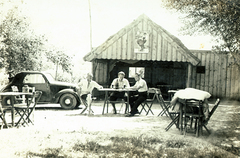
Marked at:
<point>68,101</point>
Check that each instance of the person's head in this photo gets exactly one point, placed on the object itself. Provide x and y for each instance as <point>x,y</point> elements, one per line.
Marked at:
<point>89,76</point>
<point>137,76</point>
<point>121,75</point>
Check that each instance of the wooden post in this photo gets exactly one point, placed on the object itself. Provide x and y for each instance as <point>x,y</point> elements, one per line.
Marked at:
<point>189,76</point>
<point>56,71</point>
<point>108,74</point>
<point>90,20</point>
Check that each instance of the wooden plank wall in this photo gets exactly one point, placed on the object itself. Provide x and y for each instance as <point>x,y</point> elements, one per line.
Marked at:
<point>100,73</point>
<point>161,46</point>
<point>221,79</point>
<point>168,73</point>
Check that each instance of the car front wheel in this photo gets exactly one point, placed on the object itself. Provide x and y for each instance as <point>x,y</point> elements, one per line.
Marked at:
<point>68,101</point>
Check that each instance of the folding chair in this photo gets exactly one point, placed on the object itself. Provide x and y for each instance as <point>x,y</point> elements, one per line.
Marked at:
<point>118,101</point>
<point>25,110</point>
<point>22,99</point>
<point>86,105</point>
<point>152,95</point>
<point>174,115</point>
<point>3,111</point>
<point>204,122</point>
<point>165,106</point>
<point>18,99</point>
<point>211,113</point>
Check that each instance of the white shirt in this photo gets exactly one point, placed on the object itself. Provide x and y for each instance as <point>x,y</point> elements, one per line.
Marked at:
<point>87,87</point>
<point>121,83</point>
<point>141,85</point>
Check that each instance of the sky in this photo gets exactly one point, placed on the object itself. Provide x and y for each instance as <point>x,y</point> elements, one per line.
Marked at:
<point>66,23</point>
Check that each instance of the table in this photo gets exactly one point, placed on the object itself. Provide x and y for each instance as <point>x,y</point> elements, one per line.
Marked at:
<point>107,90</point>
<point>12,96</point>
<point>187,93</point>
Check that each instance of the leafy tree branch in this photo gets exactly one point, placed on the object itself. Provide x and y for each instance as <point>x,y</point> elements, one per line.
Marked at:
<point>219,18</point>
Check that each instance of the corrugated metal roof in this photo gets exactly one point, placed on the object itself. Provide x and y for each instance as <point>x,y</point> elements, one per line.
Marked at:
<point>160,44</point>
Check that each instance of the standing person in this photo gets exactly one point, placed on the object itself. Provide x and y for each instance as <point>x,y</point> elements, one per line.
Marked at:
<point>136,100</point>
<point>85,88</point>
<point>119,83</point>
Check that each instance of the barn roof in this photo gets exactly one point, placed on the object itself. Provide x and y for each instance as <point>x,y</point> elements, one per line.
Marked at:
<point>160,44</point>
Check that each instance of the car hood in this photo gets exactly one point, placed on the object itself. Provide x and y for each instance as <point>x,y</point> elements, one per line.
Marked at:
<point>63,84</point>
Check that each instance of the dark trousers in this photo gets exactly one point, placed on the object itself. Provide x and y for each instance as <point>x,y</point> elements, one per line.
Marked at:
<point>84,96</point>
<point>114,96</point>
<point>136,100</point>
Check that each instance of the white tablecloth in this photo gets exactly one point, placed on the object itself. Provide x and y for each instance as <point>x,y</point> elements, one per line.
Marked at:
<point>190,93</point>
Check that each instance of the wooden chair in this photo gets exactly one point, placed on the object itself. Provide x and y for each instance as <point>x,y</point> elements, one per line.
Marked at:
<point>210,114</point>
<point>167,110</point>
<point>147,104</point>
<point>165,105</point>
<point>3,111</point>
<point>120,100</point>
<point>25,110</point>
<point>22,98</point>
<point>86,105</point>
<point>193,109</point>
<point>197,115</point>
<point>18,99</point>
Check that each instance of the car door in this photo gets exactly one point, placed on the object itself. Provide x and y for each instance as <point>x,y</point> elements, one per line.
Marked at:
<point>40,84</point>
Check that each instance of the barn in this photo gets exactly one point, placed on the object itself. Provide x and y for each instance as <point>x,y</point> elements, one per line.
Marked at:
<point>165,62</point>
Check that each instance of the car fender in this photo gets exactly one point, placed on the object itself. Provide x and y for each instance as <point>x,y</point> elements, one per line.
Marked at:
<point>64,91</point>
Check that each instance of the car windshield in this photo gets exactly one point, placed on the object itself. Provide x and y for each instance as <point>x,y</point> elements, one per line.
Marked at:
<point>49,77</point>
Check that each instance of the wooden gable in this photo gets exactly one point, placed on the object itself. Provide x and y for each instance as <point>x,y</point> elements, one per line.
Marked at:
<point>160,44</point>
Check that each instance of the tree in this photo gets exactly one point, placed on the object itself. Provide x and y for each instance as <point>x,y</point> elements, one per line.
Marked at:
<point>62,59</point>
<point>220,18</point>
<point>21,49</point>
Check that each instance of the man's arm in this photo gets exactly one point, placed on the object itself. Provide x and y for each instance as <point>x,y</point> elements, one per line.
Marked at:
<point>98,86</point>
<point>127,83</point>
<point>79,88</point>
<point>139,85</point>
<point>133,87</point>
<point>113,83</point>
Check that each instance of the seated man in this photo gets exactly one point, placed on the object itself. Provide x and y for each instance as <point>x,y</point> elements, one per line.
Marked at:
<point>136,100</point>
<point>85,88</point>
<point>119,83</point>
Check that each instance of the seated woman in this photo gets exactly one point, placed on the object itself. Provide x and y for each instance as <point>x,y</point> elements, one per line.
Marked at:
<point>140,96</point>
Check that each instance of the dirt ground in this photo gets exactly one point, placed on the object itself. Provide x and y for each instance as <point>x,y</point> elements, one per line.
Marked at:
<point>50,119</point>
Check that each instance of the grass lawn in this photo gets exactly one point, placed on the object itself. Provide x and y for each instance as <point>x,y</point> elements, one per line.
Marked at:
<point>67,134</point>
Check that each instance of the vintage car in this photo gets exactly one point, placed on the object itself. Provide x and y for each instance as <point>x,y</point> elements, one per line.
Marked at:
<point>52,91</point>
